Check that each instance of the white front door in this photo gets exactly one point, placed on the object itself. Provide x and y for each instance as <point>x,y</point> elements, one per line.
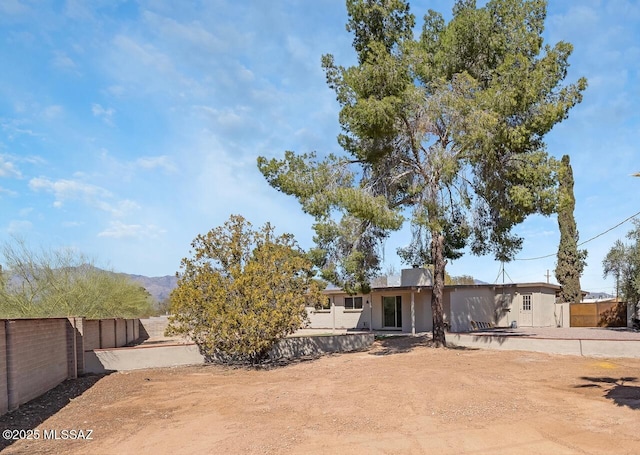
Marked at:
<point>526,310</point>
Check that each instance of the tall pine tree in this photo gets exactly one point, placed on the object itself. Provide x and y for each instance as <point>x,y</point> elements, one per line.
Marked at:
<point>444,130</point>
<point>571,261</point>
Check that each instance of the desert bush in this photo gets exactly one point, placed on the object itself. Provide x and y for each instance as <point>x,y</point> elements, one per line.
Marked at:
<point>241,291</point>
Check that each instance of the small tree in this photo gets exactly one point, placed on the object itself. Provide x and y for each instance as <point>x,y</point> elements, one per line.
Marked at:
<point>571,261</point>
<point>242,291</point>
<point>623,262</point>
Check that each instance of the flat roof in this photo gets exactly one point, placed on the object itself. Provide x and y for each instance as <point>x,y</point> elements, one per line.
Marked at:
<point>555,287</point>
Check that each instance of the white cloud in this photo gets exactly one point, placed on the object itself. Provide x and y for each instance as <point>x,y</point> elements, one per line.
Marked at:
<point>116,90</point>
<point>8,168</point>
<point>7,192</point>
<point>19,226</point>
<point>67,189</point>
<point>92,195</point>
<point>13,7</point>
<point>119,209</point>
<point>227,118</point>
<point>147,55</point>
<point>119,230</point>
<point>14,128</point>
<point>126,171</point>
<point>62,61</point>
<point>152,162</point>
<point>105,114</point>
<point>52,112</point>
<point>77,9</point>
<point>193,32</point>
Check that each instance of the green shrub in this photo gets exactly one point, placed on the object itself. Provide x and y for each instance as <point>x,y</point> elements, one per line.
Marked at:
<point>241,292</point>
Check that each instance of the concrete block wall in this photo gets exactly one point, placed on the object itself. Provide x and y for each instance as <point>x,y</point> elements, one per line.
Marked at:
<point>154,327</point>
<point>38,354</point>
<point>107,360</point>
<point>4,393</point>
<point>130,330</point>
<point>121,332</point>
<point>91,334</point>
<point>76,346</point>
<point>107,333</point>
<point>37,357</point>
<point>136,329</point>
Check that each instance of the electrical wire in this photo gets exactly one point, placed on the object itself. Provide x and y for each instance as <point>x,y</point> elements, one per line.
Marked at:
<point>582,243</point>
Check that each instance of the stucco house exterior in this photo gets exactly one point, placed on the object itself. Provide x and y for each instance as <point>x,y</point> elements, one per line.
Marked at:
<point>403,304</point>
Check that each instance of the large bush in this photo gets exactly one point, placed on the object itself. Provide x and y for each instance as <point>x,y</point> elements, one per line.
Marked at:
<point>241,291</point>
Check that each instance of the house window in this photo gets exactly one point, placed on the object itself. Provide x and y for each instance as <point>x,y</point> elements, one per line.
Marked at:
<point>324,304</point>
<point>526,302</point>
<point>353,303</point>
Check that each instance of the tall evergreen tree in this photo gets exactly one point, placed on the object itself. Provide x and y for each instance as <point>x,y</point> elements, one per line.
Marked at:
<point>447,128</point>
<point>571,261</point>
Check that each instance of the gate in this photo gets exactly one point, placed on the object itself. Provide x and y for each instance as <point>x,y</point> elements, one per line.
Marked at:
<point>598,314</point>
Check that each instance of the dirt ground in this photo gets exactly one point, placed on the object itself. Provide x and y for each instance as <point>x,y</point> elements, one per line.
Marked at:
<point>402,397</point>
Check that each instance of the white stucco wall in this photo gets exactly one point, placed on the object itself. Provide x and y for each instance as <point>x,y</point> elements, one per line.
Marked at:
<point>505,312</point>
<point>424,315</point>
<point>340,318</point>
<point>563,315</point>
<point>544,314</point>
<point>499,305</point>
<point>543,306</point>
<point>471,304</point>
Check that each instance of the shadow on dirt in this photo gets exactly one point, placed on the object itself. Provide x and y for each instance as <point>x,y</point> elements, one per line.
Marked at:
<point>390,344</point>
<point>398,344</point>
<point>31,414</point>
<point>616,389</point>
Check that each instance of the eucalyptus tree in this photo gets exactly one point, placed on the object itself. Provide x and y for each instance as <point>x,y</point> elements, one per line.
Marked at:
<point>444,130</point>
<point>623,262</point>
<point>571,260</point>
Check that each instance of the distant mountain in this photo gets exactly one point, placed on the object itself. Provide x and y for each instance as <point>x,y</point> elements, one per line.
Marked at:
<point>159,287</point>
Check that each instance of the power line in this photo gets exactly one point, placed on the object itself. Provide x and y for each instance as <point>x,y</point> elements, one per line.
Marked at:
<point>586,241</point>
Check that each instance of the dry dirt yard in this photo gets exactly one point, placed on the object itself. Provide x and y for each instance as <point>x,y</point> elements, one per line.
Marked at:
<point>402,397</point>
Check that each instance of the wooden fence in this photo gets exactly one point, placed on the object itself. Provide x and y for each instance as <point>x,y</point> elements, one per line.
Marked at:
<point>598,314</point>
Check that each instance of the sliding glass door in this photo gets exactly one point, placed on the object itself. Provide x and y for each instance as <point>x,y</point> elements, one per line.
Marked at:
<point>392,312</point>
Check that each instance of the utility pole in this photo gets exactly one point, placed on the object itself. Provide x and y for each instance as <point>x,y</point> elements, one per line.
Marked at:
<point>548,276</point>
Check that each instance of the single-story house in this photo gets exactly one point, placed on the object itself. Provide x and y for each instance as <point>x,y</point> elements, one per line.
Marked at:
<point>403,304</point>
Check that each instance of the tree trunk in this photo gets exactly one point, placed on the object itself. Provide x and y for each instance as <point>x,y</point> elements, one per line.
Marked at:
<point>437,255</point>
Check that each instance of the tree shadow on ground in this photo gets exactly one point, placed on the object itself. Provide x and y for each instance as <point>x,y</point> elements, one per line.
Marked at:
<point>497,335</point>
<point>616,389</point>
<point>398,344</point>
<point>390,344</point>
<point>31,414</point>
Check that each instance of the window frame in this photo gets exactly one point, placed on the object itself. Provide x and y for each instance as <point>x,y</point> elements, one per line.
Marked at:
<point>325,306</point>
<point>353,305</point>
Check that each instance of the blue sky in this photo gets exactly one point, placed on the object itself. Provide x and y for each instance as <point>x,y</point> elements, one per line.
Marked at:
<point>129,127</point>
